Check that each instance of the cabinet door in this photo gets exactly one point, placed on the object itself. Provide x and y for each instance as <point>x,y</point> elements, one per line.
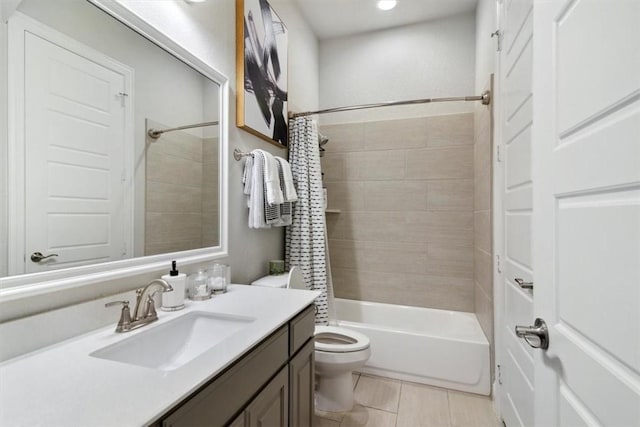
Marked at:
<point>270,408</point>
<point>240,421</point>
<point>229,393</point>
<point>301,387</point>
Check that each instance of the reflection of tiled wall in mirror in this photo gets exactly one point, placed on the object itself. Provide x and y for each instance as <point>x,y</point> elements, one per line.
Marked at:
<point>181,192</point>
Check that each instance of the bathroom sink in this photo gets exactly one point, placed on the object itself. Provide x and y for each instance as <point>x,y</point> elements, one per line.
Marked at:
<point>173,344</point>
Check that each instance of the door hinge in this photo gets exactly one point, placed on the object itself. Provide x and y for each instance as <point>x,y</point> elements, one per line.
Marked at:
<point>498,153</point>
<point>498,266</point>
<point>499,374</point>
<point>498,34</point>
<point>123,96</point>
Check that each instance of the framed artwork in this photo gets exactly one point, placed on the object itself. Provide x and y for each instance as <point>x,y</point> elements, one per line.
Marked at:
<point>261,65</point>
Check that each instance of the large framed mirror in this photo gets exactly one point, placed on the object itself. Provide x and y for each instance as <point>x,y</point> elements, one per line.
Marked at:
<point>117,148</point>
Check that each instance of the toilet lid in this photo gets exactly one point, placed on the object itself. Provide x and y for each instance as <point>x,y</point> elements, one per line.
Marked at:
<point>339,340</point>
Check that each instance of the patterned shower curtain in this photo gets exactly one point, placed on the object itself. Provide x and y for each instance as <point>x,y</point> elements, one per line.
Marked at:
<point>306,244</point>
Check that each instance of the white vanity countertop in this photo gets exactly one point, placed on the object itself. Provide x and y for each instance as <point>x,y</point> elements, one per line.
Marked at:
<point>61,385</point>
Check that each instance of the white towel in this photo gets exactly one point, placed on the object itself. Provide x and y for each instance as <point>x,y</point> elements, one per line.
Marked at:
<point>272,179</point>
<point>256,197</point>
<point>290,194</point>
<point>247,178</point>
<point>284,210</point>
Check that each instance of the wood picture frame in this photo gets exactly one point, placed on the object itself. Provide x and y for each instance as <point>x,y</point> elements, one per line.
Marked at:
<point>261,71</point>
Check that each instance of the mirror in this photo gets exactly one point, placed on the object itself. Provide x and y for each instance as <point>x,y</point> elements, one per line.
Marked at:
<point>89,188</point>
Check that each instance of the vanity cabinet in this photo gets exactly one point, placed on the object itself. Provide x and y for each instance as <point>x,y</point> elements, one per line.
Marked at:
<point>271,385</point>
<point>301,386</point>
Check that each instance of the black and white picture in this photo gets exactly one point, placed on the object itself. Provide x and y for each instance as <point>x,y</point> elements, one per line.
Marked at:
<point>262,73</point>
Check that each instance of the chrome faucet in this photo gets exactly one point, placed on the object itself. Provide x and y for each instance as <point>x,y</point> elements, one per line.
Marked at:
<point>141,316</point>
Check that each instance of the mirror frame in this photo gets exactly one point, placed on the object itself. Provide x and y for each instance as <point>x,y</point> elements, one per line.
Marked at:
<point>28,285</point>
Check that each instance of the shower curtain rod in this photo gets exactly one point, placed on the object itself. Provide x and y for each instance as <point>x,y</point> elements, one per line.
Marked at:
<point>485,98</point>
<point>156,133</point>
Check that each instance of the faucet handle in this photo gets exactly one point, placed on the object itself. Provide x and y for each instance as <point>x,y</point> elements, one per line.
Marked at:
<point>112,303</point>
<point>150,312</point>
<point>124,324</point>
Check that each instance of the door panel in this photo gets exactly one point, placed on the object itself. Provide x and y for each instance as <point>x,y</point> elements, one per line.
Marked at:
<point>516,56</point>
<point>585,61</point>
<point>587,203</point>
<point>517,391</point>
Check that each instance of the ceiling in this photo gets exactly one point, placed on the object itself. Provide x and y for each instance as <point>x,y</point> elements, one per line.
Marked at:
<point>338,18</point>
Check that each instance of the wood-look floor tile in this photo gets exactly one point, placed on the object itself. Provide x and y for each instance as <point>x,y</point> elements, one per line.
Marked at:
<point>333,416</point>
<point>324,422</point>
<point>470,410</point>
<point>355,377</point>
<point>379,393</point>
<point>422,405</point>
<point>369,417</point>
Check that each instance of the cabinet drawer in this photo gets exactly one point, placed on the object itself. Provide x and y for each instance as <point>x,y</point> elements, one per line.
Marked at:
<point>227,394</point>
<point>301,328</point>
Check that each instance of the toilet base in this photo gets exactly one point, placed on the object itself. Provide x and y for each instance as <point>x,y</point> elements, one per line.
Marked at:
<point>335,393</point>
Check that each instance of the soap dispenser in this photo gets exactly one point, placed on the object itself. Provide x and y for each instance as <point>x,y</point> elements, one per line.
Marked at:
<point>174,300</point>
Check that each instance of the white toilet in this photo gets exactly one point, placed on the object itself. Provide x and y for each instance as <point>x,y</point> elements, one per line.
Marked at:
<point>338,352</point>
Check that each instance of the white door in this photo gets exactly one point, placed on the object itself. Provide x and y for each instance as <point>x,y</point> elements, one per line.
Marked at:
<point>515,358</point>
<point>76,197</point>
<point>586,252</point>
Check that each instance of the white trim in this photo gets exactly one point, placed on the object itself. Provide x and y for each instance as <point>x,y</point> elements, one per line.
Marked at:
<point>15,151</point>
<point>29,285</point>
<point>498,217</point>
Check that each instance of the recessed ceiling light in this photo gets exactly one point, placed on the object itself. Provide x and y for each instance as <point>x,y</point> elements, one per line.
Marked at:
<point>195,1</point>
<point>387,4</point>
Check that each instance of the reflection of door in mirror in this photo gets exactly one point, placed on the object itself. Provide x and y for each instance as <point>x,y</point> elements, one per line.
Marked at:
<point>77,202</point>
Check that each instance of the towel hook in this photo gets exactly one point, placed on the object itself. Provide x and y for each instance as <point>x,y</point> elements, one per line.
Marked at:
<point>237,154</point>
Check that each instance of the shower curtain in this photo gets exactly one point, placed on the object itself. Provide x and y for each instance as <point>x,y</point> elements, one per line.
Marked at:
<point>306,244</point>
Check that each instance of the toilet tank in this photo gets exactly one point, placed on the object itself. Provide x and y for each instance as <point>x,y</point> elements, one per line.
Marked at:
<point>294,279</point>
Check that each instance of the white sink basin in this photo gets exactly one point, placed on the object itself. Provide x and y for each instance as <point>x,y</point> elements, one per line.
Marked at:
<point>171,345</point>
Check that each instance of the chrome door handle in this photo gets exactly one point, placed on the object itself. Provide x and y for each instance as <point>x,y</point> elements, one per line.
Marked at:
<point>37,256</point>
<point>523,284</point>
<point>537,336</point>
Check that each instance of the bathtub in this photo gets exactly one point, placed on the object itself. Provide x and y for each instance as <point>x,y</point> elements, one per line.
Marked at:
<point>436,347</point>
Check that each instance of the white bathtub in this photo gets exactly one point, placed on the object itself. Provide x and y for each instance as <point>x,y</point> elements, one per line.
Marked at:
<point>436,347</point>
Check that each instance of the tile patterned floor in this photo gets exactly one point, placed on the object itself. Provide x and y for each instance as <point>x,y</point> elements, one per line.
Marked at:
<point>383,402</point>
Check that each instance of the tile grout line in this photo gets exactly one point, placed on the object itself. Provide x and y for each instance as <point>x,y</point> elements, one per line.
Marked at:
<point>449,409</point>
<point>399,398</point>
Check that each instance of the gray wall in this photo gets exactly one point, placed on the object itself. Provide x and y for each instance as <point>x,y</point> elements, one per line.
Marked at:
<point>3,144</point>
<point>425,60</point>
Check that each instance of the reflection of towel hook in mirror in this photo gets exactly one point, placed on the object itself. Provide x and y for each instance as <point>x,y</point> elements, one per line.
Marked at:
<point>37,256</point>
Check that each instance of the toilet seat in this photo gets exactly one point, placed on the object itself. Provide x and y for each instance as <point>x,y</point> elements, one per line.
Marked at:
<point>334,339</point>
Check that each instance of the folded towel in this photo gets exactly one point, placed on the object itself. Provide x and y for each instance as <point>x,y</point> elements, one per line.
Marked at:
<point>287,178</point>
<point>247,178</point>
<point>286,207</point>
<point>257,200</point>
<point>271,179</point>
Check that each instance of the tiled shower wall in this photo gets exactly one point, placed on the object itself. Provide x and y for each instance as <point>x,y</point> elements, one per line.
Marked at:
<point>404,233</point>
<point>482,213</point>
